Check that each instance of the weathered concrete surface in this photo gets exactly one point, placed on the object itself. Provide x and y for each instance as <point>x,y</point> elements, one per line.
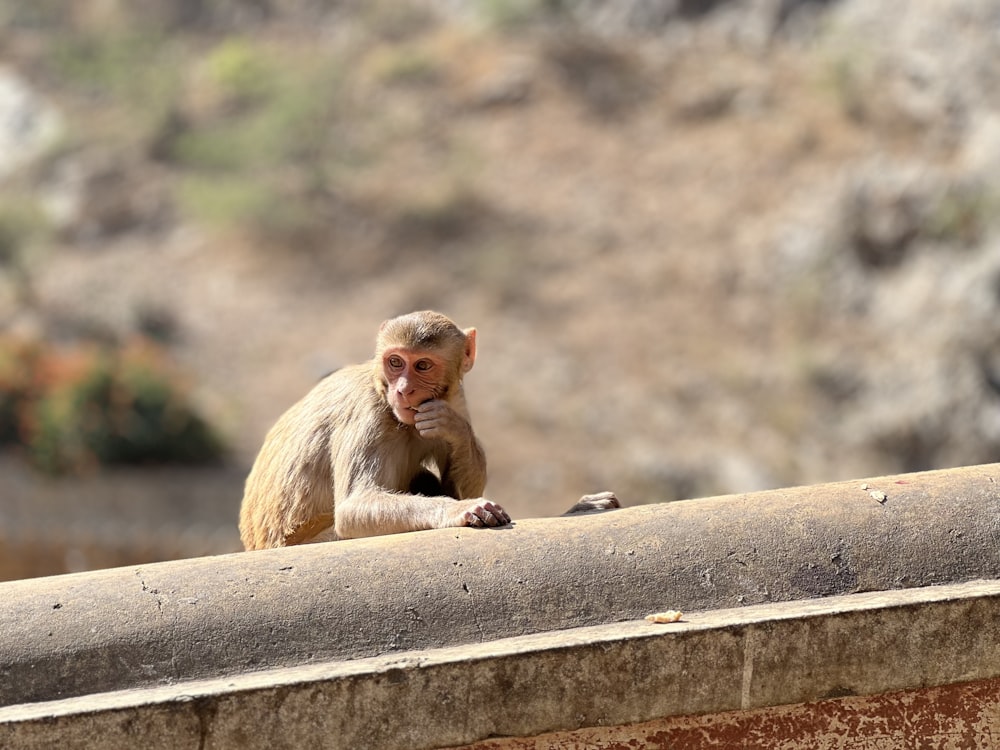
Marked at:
<point>115,629</point>
<point>601,686</point>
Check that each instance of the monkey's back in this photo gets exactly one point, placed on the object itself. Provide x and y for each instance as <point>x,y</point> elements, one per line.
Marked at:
<point>292,480</point>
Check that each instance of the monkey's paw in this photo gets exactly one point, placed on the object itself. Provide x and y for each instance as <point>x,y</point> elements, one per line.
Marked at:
<point>481,512</point>
<point>592,503</point>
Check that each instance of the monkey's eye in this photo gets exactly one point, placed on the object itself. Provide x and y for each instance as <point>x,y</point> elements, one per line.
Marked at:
<point>424,365</point>
<point>396,363</point>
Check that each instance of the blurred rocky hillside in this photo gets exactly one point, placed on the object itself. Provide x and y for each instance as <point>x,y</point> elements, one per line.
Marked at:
<point>710,246</point>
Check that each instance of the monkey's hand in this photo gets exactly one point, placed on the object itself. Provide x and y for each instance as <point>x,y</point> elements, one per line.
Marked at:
<point>591,503</point>
<point>463,470</point>
<point>478,512</point>
<point>437,419</point>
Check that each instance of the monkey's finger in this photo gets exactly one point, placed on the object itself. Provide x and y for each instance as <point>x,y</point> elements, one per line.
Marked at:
<point>484,515</point>
<point>487,517</point>
<point>434,417</point>
<point>433,405</point>
<point>471,519</point>
<point>499,513</point>
<point>429,432</point>
<point>424,422</point>
<point>434,429</point>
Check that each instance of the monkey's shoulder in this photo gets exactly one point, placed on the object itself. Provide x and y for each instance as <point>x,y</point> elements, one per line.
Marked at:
<point>353,379</point>
<point>346,400</point>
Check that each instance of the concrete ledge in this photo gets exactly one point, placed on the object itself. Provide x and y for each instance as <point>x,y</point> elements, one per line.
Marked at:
<point>159,624</point>
<point>604,676</point>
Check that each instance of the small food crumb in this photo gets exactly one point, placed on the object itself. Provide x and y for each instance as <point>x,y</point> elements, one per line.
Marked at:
<point>671,615</point>
<point>878,495</point>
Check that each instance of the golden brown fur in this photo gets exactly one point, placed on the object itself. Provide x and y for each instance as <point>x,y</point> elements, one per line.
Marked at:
<point>379,448</point>
<point>341,454</point>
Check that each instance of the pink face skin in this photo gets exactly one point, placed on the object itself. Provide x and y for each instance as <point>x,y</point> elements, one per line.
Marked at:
<point>414,377</point>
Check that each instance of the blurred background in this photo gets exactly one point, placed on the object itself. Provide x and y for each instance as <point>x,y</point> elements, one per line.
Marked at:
<point>710,246</point>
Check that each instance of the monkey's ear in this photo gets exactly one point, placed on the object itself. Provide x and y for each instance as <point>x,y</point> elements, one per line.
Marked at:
<point>469,357</point>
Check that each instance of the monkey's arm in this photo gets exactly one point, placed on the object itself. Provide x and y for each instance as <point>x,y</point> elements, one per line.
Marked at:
<point>372,511</point>
<point>365,506</point>
<point>463,461</point>
<point>463,472</point>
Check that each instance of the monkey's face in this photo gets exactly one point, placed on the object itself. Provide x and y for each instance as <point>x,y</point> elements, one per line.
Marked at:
<point>412,377</point>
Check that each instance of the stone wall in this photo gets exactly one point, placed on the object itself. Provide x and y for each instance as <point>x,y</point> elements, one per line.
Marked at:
<point>803,608</point>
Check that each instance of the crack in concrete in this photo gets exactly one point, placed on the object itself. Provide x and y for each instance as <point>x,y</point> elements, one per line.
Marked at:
<point>149,590</point>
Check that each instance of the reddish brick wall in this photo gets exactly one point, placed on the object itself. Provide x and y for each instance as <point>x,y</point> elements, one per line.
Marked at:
<point>954,717</point>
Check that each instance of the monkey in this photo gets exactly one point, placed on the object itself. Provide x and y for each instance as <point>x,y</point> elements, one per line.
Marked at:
<point>382,447</point>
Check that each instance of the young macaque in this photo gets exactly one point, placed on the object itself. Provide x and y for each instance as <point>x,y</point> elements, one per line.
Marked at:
<point>379,448</point>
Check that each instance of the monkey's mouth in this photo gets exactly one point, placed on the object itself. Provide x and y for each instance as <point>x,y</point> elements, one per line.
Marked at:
<point>406,414</point>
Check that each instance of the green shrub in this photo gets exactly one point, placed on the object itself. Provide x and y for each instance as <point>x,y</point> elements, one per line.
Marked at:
<point>89,406</point>
<point>111,63</point>
<point>39,14</point>
<point>407,65</point>
<point>255,161</point>
<point>240,72</point>
<point>266,209</point>
<point>963,213</point>
<point>22,221</point>
<point>515,14</point>
<point>138,72</point>
<point>24,231</point>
